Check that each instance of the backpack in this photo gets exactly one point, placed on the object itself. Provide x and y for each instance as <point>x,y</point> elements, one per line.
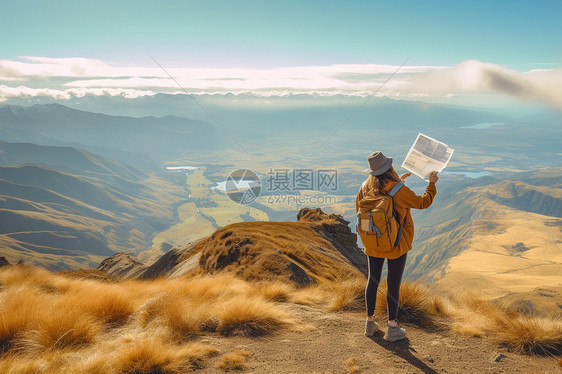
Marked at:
<point>377,222</point>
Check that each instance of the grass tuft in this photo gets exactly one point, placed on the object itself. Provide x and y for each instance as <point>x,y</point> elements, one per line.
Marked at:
<point>107,303</point>
<point>352,367</point>
<point>183,319</point>
<point>154,356</point>
<point>250,316</point>
<point>505,325</point>
<point>349,295</point>
<point>275,291</point>
<point>531,335</point>
<point>233,361</point>
<point>417,305</point>
<point>60,329</point>
<point>19,307</point>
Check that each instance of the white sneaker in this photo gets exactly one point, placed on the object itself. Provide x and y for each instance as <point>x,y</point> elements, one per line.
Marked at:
<point>394,333</point>
<point>370,328</point>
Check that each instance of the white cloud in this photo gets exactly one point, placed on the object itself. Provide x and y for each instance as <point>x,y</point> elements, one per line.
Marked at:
<point>474,77</point>
<point>62,78</point>
<point>7,92</point>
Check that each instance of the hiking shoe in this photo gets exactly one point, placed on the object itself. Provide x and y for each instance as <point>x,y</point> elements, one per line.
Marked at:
<point>395,333</point>
<point>370,328</point>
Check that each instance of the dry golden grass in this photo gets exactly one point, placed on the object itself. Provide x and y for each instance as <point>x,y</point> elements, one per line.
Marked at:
<point>93,274</point>
<point>472,315</point>
<point>352,367</point>
<point>250,316</point>
<point>181,318</point>
<point>275,291</point>
<point>59,329</point>
<point>155,356</point>
<point>349,295</point>
<point>14,364</point>
<point>417,304</point>
<point>54,323</point>
<point>109,303</point>
<point>33,277</point>
<point>333,296</point>
<point>531,334</point>
<point>501,322</point>
<point>233,361</point>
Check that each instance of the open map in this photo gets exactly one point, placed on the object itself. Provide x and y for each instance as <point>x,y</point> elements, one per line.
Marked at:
<point>426,155</point>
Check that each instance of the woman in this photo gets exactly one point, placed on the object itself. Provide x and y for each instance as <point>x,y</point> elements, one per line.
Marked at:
<point>382,179</point>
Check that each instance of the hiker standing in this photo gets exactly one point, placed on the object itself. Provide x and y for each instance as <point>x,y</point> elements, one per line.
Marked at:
<point>387,232</point>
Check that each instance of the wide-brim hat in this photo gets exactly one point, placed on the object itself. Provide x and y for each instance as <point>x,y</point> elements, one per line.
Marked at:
<point>378,163</point>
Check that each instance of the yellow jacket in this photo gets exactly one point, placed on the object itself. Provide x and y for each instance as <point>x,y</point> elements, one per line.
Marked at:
<point>404,200</point>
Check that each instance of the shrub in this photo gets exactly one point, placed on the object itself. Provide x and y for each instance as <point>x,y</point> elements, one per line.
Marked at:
<point>59,329</point>
<point>505,325</point>
<point>233,361</point>
<point>19,307</point>
<point>275,291</point>
<point>107,303</point>
<point>417,305</point>
<point>349,295</point>
<point>250,316</point>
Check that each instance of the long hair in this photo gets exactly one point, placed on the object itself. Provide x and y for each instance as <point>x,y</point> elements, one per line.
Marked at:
<point>376,185</point>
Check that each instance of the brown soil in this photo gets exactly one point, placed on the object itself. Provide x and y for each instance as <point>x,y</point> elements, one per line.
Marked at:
<point>326,342</point>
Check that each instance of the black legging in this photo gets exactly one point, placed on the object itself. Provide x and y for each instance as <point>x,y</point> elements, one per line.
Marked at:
<point>395,271</point>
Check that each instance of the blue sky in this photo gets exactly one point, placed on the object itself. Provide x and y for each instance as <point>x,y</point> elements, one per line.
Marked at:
<point>511,38</point>
<point>516,34</point>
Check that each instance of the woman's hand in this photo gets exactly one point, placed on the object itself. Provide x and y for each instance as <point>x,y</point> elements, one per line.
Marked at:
<point>404,176</point>
<point>433,177</point>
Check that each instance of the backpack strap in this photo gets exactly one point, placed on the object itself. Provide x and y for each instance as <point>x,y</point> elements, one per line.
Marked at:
<point>395,189</point>
<point>392,192</point>
<point>372,226</point>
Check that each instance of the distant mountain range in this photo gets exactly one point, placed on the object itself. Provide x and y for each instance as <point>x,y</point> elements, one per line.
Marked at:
<point>293,128</point>
<point>137,141</point>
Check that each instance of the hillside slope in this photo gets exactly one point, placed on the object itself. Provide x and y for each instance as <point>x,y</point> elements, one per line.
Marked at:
<point>71,208</point>
<point>68,159</point>
<point>499,235</point>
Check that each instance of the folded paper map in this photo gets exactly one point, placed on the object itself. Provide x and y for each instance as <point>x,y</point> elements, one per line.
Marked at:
<point>426,155</point>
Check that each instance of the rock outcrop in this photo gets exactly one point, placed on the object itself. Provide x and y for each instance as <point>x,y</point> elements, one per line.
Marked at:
<point>336,230</point>
<point>122,265</point>
<point>168,263</point>
<point>3,262</point>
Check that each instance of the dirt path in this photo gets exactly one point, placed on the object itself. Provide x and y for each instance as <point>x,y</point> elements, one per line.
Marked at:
<point>334,343</point>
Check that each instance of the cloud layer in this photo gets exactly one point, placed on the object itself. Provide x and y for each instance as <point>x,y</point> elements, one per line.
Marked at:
<point>66,78</point>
